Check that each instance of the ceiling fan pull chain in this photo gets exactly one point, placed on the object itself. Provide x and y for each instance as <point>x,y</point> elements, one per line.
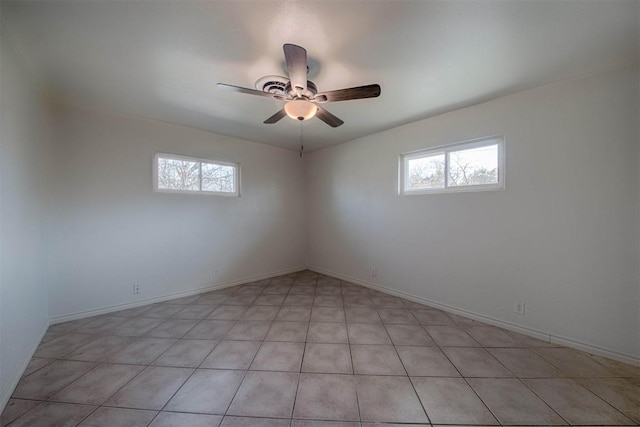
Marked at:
<point>301,145</point>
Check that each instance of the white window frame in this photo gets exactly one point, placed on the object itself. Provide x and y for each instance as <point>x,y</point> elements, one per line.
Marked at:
<point>404,158</point>
<point>200,161</point>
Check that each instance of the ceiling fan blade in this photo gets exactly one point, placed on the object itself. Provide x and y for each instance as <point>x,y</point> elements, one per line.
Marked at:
<point>276,117</point>
<point>249,91</point>
<point>296,58</point>
<point>360,92</point>
<point>328,118</point>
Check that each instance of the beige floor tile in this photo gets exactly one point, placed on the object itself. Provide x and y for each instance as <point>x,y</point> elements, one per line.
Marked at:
<point>451,401</point>
<point>376,360</point>
<point>357,300</point>
<point>432,317</point>
<point>212,300</point>
<point>265,394</point>
<point>451,336</point>
<point>175,419</point>
<point>387,302</point>
<point>16,408</point>
<point>260,312</point>
<point>172,328</point>
<point>35,364</point>
<point>62,345</point>
<point>299,300</point>
<point>574,363</point>
<point>269,300</point>
<point>210,330</point>
<point>312,423</point>
<point>253,422</point>
<point>294,314</point>
<point>99,349</point>
<point>326,397</point>
<point>248,330</point>
<point>617,368</point>
<point>490,336</point>
<point>288,331</point>
<point>409,335</point>
<point>240,300</point>
<point>97,385</point>
<point>101,324</point>
<point>50,414</point>
<point>227,312</point>
<point>362,315</point>
<point>276,290</point>
<point>186,353</point>
<point>232,355</point>
<point>398,316</point>
<point>118,417</point>
<point>327,314</point>
<point>51,379</point>
<point>151,389</point>
<point>475,362</point>
<point>207,391</point>
<point>163,311</point>
<point>322,325</point>
<point>368,333</point>
<point>388,399</point>
<point>513,403</point>
<point>524,363</point>
<point>327,332</point>
<point>194,312</point>
<point>327,358</point>
<point>621,393</point>
<point>426,362</point>
<point>142,351</point>
<point>279,356</point>
<point>136,326</point>
<point>299,289</point>
<point>328,301</point>
<point>328,290</point>
<point>575,403</point>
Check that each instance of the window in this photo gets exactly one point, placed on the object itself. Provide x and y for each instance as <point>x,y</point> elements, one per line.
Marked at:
<point>185,174</point>
<point>467,166</point>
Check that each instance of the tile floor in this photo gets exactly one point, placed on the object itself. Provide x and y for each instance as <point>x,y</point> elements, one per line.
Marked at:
<point>305,350</point>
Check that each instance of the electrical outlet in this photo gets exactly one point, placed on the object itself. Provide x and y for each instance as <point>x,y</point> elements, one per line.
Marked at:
<point>215,273</point>
<point>136,289</point>
<point>374,272</point>
<point>518,307</point>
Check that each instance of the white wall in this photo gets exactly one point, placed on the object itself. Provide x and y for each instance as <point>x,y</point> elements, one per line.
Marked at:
<point>24,150</point>
<point>109,230</point>
<point>562,236</point>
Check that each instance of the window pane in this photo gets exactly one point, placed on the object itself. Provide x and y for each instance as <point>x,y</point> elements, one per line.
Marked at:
<point>176,174</point>
<point>220,178</point>
<point>476,166</point>
<point>425,173</point>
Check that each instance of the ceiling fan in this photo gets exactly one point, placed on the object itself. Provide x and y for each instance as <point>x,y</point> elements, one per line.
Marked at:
<point>301,95</point>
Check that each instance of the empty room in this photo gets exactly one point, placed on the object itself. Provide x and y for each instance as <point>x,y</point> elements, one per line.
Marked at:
<point>319,213</point>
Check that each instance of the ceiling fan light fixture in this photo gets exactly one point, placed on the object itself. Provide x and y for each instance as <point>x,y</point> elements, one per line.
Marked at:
<point>300,109</point>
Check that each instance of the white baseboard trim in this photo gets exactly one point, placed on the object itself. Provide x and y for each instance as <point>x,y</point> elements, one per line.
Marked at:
<point>544,336</point>
<point>9,387</point>
<point>168,297</point>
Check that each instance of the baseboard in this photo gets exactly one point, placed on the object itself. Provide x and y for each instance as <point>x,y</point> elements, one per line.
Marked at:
<point>9,387</point>
<point>541,335</point>
<point>168,297</point>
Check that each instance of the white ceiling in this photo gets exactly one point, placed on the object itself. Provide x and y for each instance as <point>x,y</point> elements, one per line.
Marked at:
<point>162,59</point>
